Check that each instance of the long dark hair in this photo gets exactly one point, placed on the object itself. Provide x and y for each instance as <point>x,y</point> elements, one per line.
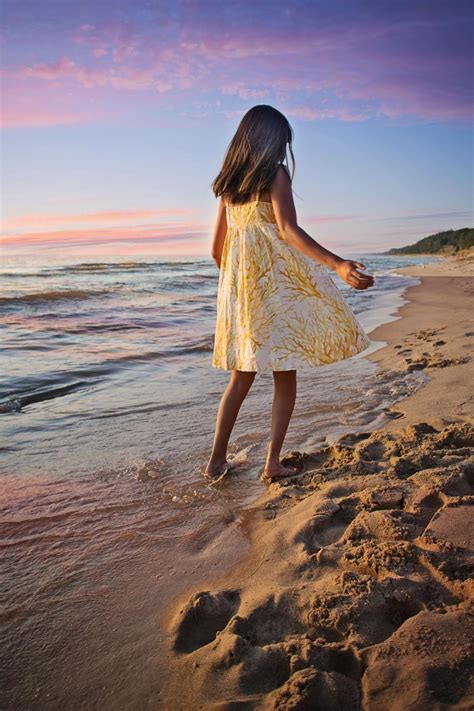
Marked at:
<point>254,154</point>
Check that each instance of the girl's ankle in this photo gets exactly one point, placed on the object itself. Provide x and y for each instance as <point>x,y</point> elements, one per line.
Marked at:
<point>215,459</point>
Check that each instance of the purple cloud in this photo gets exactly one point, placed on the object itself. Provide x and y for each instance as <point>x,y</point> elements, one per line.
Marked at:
<point>344,60</point>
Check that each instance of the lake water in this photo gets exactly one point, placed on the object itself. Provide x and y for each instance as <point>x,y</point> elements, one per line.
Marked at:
<point>107,405</point>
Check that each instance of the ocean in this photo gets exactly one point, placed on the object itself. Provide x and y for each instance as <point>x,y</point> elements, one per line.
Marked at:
<point>107,405</point>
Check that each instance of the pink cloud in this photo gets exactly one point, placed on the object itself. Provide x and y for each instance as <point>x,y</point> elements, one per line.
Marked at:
<point>39,117</point>
<point>63,67</point>
<point>244,92</point>
<point>161,231</point>
<point>317,219</point>
<point>131,78</point>
<point>114,216</point>
<point>308,113</point>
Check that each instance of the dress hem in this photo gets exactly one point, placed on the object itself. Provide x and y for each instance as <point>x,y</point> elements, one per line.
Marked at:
<point>302,365</point>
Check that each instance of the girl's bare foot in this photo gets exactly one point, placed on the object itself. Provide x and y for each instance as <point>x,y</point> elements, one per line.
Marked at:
<point>276,470</point>
<point>217,469</point>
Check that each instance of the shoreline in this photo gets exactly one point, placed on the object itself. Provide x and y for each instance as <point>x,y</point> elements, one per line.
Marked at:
<point>406,339</point>
<point>344,561</point>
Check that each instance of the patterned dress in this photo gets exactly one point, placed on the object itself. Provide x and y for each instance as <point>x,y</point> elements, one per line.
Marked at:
<point>277,309</point>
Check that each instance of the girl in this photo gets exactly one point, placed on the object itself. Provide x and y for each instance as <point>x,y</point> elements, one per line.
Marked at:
<point>277,307</point>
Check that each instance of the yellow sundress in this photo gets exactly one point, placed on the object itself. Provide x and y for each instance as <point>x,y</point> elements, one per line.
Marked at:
<point>277,309</point>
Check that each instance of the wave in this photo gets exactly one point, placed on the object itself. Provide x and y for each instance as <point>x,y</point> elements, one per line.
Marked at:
<point>131,265</point>
<point>191,282</point>
<point>23,275</point>
<point>125,266</point>
<point>59,295</point>
<point>106,266</point>
<point>202,345</point>
<point>15,404</point>
<point>82,268</point>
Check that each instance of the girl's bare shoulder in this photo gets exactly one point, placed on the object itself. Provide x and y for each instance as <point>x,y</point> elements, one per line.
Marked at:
<point>282,174</point>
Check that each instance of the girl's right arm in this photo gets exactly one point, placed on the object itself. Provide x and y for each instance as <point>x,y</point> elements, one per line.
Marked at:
<point>219,235</point>
<point>285,214</point>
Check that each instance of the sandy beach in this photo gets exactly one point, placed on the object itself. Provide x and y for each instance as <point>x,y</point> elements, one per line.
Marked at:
<point>356,590</point>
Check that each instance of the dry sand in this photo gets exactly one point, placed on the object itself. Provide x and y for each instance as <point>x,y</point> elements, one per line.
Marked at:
<point>356,592</point>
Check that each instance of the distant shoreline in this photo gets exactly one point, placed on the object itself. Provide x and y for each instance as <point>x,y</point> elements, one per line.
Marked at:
<point>449,242</point>
<point>442,255</point>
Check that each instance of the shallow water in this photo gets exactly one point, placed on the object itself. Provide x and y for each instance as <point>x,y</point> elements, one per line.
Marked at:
<point>108,403</point>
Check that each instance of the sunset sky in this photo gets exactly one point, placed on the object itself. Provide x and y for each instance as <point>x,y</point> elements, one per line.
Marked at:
<point>116,116</point>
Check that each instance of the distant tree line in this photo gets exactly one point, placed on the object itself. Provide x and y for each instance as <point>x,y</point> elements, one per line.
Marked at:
<point>449,241</point>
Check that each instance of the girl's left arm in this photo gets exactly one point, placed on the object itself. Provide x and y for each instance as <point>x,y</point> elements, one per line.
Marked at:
<point>220,231</point>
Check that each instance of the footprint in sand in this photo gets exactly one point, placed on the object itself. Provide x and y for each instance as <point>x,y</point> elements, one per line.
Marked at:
<point>434,362</point>
<point>198,622</point>
<point>428,334</point>
<point>445,362</point>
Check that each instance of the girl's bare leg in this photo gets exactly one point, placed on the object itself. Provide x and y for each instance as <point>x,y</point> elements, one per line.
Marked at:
<point>283,404</point>
<point>239,384</point>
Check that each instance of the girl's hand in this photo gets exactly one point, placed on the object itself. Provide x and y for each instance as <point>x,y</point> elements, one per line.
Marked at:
<point>347,270</point>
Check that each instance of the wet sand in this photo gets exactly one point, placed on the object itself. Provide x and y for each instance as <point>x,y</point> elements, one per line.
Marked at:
<point>356,589</point>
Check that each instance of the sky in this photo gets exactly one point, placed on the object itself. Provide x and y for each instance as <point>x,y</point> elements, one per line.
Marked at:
<point>116,117</point>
